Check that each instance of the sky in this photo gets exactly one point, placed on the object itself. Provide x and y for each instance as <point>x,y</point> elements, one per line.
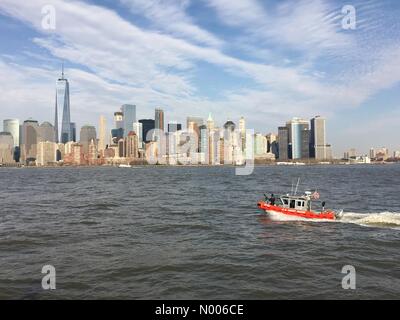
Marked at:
<point>265,60</point>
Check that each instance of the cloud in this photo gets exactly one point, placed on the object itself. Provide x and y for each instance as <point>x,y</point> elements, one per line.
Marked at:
<point>170,16</point>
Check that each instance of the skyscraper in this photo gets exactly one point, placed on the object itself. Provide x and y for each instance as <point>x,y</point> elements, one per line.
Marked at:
<point>88,133</point>
<point>12,126</point>
<point>147,125</point>
<point>159,119</point>
<point>118,120</point>
<point>174,127</point>
<point>318,138</point>
<point>296,127</point>
<point>129,112</point>
<point>102,133</point>
<point>138,129</point>
<point>29,140</point>
<point>62,104</point>
<point>197,120</point>
<point>46,132</point>
<point>283,143</point>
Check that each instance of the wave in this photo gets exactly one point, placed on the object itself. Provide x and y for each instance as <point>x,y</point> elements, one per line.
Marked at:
<point>378,219</point>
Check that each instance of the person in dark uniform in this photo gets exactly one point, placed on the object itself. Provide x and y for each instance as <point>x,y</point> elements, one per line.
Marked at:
<point>272,199</point>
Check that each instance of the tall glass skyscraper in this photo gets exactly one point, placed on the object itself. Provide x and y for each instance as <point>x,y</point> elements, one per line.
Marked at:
<point>62,104</point>
<point>12,126</point>
<point>296,128</point>
<point>159,119</point>
<point>129,112</point>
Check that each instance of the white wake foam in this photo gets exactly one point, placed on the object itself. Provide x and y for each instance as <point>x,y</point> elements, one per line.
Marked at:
<point>378,219</point>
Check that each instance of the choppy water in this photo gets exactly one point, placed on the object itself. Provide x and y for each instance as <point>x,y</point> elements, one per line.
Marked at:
<point>181,233</point>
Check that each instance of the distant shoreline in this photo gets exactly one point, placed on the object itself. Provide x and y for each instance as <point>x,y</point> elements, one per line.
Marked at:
<point>197,165</point>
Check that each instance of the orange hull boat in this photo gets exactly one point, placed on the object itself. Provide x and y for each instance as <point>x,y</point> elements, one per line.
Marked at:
<point>327,215</point>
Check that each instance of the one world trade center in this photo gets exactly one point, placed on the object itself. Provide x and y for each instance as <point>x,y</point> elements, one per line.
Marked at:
<point>62,104</point>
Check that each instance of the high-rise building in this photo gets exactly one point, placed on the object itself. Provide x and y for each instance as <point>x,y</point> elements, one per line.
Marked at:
<point>102,133</point>
<point>73,130</point>
<point>147,125</point>
<point>283,143</point>
<point>159,119</point>
<point>132,150</point>
<point>118,120</point>
<point>197,120</point>
<point>242,132</point>
<point>260,144</point>
<point>46,153</point>
<point>305,144</point>
<point>12,126</point>
<point>174,127</point>
<point>6,148</point>
<point>29,140</point>
<point>138,129</point>
<point>129,118</point>
<point>210,123</point>
<point>46,132</point>
<point>296,128</point>
<point>62,106</point>
<point>88,133</point>
<point>318,138</point>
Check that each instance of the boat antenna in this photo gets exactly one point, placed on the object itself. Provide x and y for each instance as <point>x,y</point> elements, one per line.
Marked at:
<point>291,191</point>
<point>297,185</point>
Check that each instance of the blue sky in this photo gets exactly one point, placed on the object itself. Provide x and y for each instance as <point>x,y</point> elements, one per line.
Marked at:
<point>266,60</point>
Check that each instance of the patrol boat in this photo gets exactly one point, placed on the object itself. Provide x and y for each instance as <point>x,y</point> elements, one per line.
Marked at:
<point>295,207</point>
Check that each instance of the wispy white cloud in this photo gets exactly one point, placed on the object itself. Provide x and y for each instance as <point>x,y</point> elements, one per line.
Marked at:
<point>170,16</point>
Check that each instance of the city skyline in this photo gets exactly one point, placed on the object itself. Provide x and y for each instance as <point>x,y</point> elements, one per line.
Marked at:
<point>221,64</point>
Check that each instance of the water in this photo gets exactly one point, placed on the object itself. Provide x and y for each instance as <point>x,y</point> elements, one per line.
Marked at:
<point>195,233</point>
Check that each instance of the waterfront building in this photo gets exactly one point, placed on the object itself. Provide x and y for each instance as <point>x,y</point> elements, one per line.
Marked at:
<point>116,135</point>
<point>318,138</point>
<point>92,157</point>
<point>73,131</point>
<point>159,119</point>
<point>147,126</point>
<point>283,143</point>
<point>129,117</point>
<point>6,148</point>
<point>29,140</point>
<point>138,129</point>
<point>305,144</point>
<point>260,144</point>
<point>230,142</point>
<point>132,150</point>
<point>62,118</point>
<point>76,157</point>
<point>174,127</point>
<point>118,120</point>
<point>12,126</point>
<point>46,132</point>
<point>102,134</point>
<point>242,132</point>
<point>87,134</point>
<point>46,153</point>
<point>198,121</point>
<point>296,129</point>
<point>396,154</point>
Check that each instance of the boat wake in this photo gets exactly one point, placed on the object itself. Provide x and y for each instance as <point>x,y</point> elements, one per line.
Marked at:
<point>381,219</point>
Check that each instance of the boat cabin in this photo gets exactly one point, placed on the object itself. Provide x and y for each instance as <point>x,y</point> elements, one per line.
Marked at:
<point>295,202</point>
